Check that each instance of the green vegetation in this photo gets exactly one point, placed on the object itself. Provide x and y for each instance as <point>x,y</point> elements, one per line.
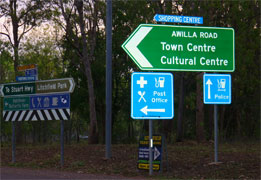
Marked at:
<point>62,47</point>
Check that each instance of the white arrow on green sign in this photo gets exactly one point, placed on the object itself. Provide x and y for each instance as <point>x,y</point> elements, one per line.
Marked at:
<point>182,48</point>
<point>38,87</point>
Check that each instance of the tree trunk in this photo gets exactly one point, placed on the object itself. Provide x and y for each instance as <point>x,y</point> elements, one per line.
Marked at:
<point>167,129</point>
<point>200,110</point>
<point>181,108</point>
<point>130,129</point>
<point>13,9</point>
<point>238,125</point>
<point>77,133</point>
<point>93,131</point>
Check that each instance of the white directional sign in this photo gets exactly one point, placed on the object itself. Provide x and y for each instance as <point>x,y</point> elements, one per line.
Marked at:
<point>178,19</point>
<point>217,88</point>
<point>182,48</point>
<point>152,96</point>
<point>65,85</point>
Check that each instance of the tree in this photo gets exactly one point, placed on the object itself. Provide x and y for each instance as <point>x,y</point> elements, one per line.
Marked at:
<point>6,74</point>
<point>41,49</point>
<point>21,17</point>
<point>81,31</point>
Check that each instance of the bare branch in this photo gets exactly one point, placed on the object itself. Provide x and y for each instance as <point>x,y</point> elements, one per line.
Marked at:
<point>24,32</point>
<point>7,37</point>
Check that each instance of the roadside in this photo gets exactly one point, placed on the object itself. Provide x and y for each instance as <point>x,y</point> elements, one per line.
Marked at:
<point>25,173</point>
<point>186,160</point>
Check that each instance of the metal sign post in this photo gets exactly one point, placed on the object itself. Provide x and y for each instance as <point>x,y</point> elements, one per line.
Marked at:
<point>13,142</point>
<point>108,77</point>
<point>152,97</point>
<point>150,146</point>
<point>216,131</point>
<point>62,143</point>
<point>216,90</point>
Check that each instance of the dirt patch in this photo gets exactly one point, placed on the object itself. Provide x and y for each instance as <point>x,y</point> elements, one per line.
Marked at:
<point>185,160</point>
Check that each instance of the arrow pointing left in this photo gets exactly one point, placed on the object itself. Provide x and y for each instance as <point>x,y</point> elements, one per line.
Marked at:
<point>145,110</point>
<point>131,46</point>
<point>1,90</point>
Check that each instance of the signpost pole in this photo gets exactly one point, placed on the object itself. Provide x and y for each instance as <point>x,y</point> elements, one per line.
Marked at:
<point>108,76</point>
<point>151,145</point>
<point>216,131</point>
<point>13,142</point>
<point>62,143</point>
<point>217,90</point>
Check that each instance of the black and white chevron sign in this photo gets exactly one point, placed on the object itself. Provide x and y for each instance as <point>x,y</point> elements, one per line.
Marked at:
<point>35,115</point>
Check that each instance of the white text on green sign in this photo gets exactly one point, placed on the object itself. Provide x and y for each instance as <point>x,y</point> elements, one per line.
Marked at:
<point>38,87</point>
<point>182,48</point>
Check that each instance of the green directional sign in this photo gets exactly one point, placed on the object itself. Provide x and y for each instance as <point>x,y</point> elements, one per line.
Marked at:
<point>51,86</point>
<point>16,103</point>
<point>38,87</point>
<point>182,48</point>
<point>18,89</point>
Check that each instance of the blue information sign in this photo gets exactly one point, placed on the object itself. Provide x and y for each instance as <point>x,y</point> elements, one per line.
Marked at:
<point>178,19</point>
<point>25,78</point>
<point>217,88</point>
<point>52,101</point>
<point>152,96</point>
<point>31,72</point>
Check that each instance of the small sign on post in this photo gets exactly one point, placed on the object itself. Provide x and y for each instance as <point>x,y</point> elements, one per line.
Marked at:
<point>217,88</point>
<point>26,67</point>
<point>143,159</point>
<point>178,19</point>
<point>152,96</point>
<point>37,107</point>
<point>65,85</point>
<point>25,78</point>
<point>31,73</point>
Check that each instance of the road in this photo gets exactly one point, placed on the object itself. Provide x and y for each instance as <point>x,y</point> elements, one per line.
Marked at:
<point>23,173</point>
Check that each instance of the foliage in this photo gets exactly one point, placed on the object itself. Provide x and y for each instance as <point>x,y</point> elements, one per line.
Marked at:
<point>6,63</point>
<point>62,57</point>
